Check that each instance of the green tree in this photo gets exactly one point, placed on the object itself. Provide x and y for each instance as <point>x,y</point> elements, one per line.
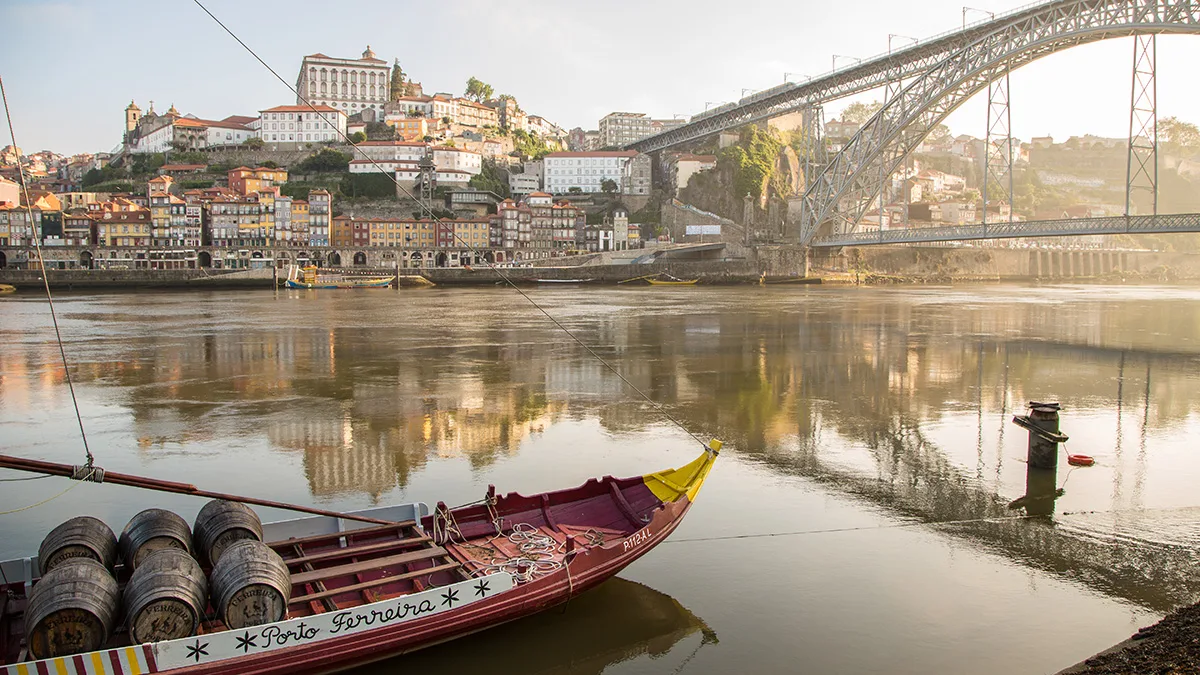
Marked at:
<point>1180,133</point>
<point>478,90</point>
<point>491,177</point>
<point>254,143</point>
<point>357,137</point>
<point>398,88</point>
<point>326,160</point>
<point>380,131</point>
<point>859,113</point>
<point>608,185</point>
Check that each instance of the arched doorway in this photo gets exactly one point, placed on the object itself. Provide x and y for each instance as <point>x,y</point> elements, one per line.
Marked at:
<point>415,259</point>
<point>441,259</point>
<point>487,255</point>
<point>205,258</point>
<point>282,260</point>
<point>335,259</point>
<point>360,258</point>
<point>3,260</point>
<point>87,260</point>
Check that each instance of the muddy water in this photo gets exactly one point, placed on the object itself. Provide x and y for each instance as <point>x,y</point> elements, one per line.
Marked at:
<point>881,414</point>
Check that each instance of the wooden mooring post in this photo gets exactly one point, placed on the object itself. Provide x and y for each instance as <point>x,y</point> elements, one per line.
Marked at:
<point>1044,436</point>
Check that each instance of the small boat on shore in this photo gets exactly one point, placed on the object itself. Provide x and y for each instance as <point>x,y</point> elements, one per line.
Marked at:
<point>312,277</point>
<point>661,279</point>
<point>5,289</point>
<point>353,592</point>
<point>668,280</point>
<point>563,281</point>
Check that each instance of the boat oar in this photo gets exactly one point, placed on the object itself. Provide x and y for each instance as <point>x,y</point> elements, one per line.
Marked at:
<point>635,279</point>
<point>99,475</point>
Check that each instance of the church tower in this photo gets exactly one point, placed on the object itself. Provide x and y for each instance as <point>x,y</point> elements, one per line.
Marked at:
<point>132,115</point>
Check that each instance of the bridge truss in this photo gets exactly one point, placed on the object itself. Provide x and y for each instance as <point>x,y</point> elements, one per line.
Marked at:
<point>849,184</point>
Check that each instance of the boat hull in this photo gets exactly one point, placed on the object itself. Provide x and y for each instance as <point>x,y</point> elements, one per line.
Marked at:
<point>380,282</point>
<point>340,654</point>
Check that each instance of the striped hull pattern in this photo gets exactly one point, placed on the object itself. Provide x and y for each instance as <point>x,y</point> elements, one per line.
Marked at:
<point>123,661</point>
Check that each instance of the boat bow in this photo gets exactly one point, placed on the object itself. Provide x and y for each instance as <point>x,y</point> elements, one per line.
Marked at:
<point>672,484</point>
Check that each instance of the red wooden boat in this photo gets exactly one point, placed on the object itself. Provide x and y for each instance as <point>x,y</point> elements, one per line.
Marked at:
<point>363,592</point>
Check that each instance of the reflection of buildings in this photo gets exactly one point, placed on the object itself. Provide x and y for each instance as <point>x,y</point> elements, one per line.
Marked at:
<point>367,396</point>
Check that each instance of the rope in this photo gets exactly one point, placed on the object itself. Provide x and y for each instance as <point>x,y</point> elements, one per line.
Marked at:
<point>15,480</point>
<point>919,523</point>
<point>72,486</point>
<point>37,245</point>
<point>658,407</point>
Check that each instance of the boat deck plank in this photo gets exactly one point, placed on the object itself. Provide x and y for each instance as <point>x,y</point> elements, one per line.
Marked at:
<point>351,569</point>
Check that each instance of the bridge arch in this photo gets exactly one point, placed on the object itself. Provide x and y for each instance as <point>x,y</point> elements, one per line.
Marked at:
<point>883,142</point>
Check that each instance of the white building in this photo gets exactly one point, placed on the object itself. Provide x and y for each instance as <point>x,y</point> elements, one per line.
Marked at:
<point>392,151</point>
<point>435,107</point>
<point>620,128</point>
<point>293,126</point>
<point>584,170</point>
<point>351,85</point>
<point>161,133</point>
<point>688,165</point>
<point>457,159</point>
<point>523,183</point>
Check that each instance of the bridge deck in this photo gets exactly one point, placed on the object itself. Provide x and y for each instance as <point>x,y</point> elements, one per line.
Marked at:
<point>1179,222</point>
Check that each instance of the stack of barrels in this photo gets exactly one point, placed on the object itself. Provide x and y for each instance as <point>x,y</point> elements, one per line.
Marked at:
<point>75,606</point>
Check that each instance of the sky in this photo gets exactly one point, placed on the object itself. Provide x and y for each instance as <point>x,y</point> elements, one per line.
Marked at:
<point>71,66</point>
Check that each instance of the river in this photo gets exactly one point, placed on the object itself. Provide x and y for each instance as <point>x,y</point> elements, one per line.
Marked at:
<point>873,415</point>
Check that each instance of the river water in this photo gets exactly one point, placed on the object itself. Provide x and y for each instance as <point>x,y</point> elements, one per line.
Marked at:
<point>880,414</point>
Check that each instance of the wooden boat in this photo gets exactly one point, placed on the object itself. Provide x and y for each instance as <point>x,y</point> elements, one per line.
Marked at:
<point>563,281</point>
<point>5,289</point>
<point>668,280</point>
<point>362,592</point>
<point>311,277</point>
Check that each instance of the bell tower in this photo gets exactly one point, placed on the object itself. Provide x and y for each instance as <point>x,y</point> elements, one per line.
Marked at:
<point>132,115</point>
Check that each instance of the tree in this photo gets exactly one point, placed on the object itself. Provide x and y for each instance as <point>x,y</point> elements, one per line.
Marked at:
<point>380,131</point>
<point>859,113</point>
<point>575,190</point>
<point>1180,133</point>
<point>608,185</point>
<point>325,160</point>
<point>254,143</point>
<point>398,87</point>
<point>491,177</point>
<point>270,164</point>
<point>478,91</point>
<point>357,137</point>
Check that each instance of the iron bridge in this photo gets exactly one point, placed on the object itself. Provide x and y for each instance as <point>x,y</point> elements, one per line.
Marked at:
<point>1180,222</point>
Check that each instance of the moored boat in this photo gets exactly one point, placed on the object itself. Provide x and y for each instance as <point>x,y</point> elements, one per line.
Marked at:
<point>361,592</point>
<point>6,288</point>
<point>668,280</point>
<point>312,277</point>
<point>563,281</point>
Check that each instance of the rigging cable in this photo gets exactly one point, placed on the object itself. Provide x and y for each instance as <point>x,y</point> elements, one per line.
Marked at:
<point>655,404</point>
<point>37,244</point>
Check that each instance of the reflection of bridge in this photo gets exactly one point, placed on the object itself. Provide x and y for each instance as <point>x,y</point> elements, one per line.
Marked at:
<point>923,84</point>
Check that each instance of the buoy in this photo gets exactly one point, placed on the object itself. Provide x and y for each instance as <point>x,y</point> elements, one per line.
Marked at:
<point>1080,460</point>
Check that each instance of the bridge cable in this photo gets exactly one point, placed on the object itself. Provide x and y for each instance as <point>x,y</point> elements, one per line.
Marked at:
<point>658,407</point>
<point>37,244</point>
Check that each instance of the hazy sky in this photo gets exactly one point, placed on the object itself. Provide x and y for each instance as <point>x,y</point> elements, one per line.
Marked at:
<point>71,66</point>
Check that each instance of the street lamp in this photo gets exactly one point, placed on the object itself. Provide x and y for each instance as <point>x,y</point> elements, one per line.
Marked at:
<point>905,37</point>
<point>843,56</point>
<point>712,103</point>
<point>786,75</point>
<point>973,9</point>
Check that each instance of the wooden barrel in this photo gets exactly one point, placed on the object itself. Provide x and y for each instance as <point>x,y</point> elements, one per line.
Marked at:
<point>79,537</point>
<point>221,523</point>
<point>71,610</point>
<point>166,597</point>
<point>152,530</point>
<point>251,585</point>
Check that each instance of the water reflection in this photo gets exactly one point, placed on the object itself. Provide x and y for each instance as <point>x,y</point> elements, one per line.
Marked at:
<point>582,637</point>
<point>899,398</point>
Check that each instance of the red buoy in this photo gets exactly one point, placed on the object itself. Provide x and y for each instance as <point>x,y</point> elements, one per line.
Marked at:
<point>1080,460</point>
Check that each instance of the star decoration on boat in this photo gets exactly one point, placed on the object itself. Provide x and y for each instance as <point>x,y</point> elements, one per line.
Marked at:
<point>450,597</point>
<point>194,651</point>
<point>245,642</point>
<point>482,588</point>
